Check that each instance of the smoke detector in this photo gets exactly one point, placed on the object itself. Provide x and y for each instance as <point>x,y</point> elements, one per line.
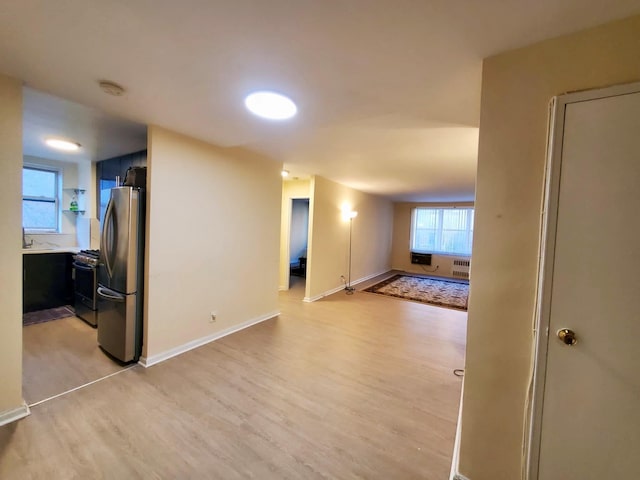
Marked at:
<point>111,88</point>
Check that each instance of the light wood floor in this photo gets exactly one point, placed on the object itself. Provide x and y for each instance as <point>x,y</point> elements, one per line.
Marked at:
<point>351,386</point>
<point>60,355</point>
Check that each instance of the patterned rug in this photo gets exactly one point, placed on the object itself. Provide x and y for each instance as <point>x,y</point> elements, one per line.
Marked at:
<point>442,293</point>
<point>47,315</point>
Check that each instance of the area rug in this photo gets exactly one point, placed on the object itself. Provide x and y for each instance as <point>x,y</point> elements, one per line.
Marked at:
<point>442,293</point>
<point>47,315</point>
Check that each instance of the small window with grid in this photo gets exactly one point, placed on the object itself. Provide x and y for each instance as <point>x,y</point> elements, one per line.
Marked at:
<point>40,188</point>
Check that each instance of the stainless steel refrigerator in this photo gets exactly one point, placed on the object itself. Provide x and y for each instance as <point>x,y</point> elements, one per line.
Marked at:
<point>121,274</point>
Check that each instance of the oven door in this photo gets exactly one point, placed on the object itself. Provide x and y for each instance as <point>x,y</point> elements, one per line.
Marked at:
<point>85,281</point>
<point>86,302</point>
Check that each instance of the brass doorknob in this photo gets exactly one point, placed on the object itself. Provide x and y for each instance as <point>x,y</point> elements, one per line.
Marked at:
<point>568,337</point>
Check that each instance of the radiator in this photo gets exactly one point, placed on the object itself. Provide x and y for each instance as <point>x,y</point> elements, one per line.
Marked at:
<point>460,268</point>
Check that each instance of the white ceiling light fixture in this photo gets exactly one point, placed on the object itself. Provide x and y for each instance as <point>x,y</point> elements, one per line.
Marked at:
<point>270,105</point>
<point>284,173</point>
<point>60,144</point>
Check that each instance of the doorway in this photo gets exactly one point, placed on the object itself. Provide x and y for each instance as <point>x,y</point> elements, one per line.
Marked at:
<point>61,353</point>
<point>298,241</point>
<point>585,420</point>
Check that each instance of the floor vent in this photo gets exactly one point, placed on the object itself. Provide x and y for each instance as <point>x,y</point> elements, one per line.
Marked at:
<point>461,268</point>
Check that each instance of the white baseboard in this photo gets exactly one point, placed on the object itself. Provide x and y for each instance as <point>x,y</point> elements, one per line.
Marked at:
<point>341,287</point>
<point>323,294</point>
<point>14,414</point>
<point>282,288</point>
<point>455,459</point>
<point>185,347</point>
<point>369,277</point>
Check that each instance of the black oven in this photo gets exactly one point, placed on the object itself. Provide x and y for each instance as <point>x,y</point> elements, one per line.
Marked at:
<point>85,266</point>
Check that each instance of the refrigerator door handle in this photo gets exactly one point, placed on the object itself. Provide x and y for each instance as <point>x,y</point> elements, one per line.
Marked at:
<point>106,233</point>
<point>110,295</point>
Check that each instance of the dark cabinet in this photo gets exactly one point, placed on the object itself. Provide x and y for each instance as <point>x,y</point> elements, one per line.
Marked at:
<point>108,170</point>
<point>111,168</point>
<point>47,281</point>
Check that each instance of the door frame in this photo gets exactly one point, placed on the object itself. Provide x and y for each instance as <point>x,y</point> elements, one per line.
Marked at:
<point>549,218</point>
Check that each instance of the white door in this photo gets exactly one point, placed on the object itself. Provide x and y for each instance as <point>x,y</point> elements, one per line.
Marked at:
<point>588,412</point>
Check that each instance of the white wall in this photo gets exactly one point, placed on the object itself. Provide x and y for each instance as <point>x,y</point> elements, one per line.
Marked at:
<point>10,244</point>
<point>212,243</point>
<point>87,227</point>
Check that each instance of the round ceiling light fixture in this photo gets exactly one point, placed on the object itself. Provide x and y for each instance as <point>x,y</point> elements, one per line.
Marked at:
<point>270,105</point>
<point>284,173</point>
<point>60,144</point>
<point>111,88</point>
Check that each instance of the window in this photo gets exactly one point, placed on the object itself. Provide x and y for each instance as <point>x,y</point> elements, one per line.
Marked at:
<point>442,230</point>
<point>39,199</point>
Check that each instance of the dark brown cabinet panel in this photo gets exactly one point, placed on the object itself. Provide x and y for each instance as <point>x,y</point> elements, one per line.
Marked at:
<point>108,170</point>
<point>47,281</point>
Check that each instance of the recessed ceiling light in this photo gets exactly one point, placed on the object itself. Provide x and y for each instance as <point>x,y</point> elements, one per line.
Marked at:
<point>271,105</point>
<point>284,173</point>
<point>60,144</point>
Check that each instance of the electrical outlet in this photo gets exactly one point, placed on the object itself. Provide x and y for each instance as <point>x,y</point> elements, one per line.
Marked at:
<point>214,315</point>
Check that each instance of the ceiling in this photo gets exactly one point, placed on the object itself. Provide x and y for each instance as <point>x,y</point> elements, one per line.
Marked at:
<point>388,92</point>
<point>101,135</point>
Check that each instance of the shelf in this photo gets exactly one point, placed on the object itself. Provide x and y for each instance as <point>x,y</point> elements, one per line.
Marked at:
<point>73,200</point>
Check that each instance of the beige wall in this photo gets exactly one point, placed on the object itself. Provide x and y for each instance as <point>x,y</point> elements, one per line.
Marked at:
<point>401,251</point>
<point>213,237</point>
<point>516,89</point>
<point>290,189</point>
<point>11,242</point>
<point>329,236</point>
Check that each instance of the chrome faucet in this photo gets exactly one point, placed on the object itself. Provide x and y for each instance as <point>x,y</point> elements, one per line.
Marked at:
<point>24,240</point>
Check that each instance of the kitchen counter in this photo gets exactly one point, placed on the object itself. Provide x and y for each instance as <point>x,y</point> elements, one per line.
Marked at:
<point>50,250</point>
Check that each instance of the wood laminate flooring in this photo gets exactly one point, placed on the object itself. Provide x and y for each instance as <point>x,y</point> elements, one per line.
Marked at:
<point>60,355</point>
<point>351,386</point>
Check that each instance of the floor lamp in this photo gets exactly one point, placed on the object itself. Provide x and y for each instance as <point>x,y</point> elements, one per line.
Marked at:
<point>351,215</point>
